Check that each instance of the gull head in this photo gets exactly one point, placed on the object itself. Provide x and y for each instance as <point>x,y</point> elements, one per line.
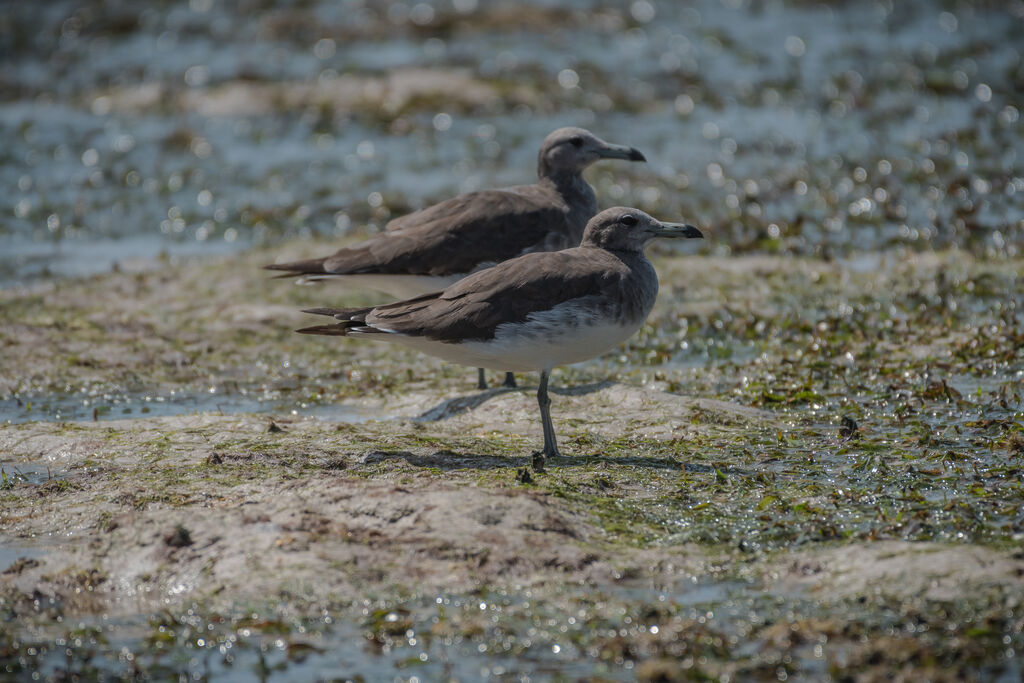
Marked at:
<point>573,149</point>
<point>625,229</point>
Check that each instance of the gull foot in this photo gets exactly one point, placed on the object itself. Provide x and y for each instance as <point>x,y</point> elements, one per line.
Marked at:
<point>510,380</point>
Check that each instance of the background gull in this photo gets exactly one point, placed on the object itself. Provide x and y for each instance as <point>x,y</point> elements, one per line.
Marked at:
<point>430,249</point>
<point>534,312</point>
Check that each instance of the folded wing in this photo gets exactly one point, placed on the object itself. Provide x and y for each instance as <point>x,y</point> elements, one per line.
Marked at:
<point>455,237</point>
<point>473,308</point>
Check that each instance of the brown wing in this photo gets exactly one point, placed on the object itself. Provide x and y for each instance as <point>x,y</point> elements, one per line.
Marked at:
<point>459,208</point>
<point>459,235</point>
<point>509,292</point>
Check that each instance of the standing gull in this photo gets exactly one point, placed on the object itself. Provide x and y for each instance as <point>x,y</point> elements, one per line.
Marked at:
<point>430,249</point>
<point>533,312</point>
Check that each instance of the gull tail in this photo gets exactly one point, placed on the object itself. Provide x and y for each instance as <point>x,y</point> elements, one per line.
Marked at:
<point>335,330</point>
<point>300,268</point>
<point>339,313</point>
<point>351,319</point>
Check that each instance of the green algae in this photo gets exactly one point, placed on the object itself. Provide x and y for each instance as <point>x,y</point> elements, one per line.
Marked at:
<point>685,630</point>
<point>917,436</point>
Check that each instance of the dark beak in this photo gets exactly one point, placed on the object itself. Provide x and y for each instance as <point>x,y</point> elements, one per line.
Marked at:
<point>678,230</point>
<point>620,152</point>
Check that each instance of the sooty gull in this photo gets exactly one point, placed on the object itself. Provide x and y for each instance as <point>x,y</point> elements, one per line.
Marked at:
<point>533,312</point>
<point>426,251</point>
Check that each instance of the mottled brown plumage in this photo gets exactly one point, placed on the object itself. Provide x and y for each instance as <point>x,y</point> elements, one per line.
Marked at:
<point>430,249</point>
<point>479,229</point>
<point>473,308</point>
<point>463,234</point>
<point>532,312</point>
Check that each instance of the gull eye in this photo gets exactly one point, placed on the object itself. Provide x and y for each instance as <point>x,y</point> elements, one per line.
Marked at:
<point>576,141</point>
<point>629,219</point>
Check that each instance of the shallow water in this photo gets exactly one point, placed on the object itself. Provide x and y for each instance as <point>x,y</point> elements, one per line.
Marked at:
<point>12,552</point>
<point>484,636</point>
<point>416,639</point>
<point>34,473</point>
<point>775,127</point>
<point>64,408</point>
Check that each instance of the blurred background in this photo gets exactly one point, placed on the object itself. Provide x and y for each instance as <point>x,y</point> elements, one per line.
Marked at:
<point>133,131</point>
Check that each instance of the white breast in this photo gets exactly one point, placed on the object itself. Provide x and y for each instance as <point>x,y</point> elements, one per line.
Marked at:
<point>568,333</point>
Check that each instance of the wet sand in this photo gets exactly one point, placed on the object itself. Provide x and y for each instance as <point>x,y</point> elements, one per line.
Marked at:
<point>705,474</point>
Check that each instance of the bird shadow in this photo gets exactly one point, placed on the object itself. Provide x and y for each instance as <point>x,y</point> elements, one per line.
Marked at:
<point>463,404</point>
<point>582,389</point>
<point>460,404</point>
<point>450,460</point>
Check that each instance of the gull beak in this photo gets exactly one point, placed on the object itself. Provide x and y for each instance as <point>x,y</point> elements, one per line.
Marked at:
<point>620,152</point>
<point>677,230</point>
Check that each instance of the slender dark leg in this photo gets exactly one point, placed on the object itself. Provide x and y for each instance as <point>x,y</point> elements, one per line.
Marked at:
<point>510,380</point>
<point>550,446</point>
<point>481,382</point>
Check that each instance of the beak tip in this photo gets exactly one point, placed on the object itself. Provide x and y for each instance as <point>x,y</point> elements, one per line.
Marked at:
<point>636,155</point>
<point>678,230</point>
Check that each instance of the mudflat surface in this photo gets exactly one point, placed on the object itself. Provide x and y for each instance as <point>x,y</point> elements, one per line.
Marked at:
<point>345,506</point>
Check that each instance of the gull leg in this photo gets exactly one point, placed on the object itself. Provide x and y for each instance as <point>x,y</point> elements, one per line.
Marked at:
<point>481,382</point>
<point>550,446</point>
<point>510,380</point>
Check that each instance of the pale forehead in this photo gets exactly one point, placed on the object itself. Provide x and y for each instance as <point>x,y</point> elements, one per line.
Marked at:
<point>568,132</point>
<point>614,213</point>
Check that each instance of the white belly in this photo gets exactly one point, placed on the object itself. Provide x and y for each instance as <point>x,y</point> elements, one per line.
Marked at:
<point>520,352</point>
<point>569,333</point>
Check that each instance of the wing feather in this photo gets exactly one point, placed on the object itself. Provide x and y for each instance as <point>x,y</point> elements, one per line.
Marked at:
<point>474,307</point>
<point>460,235</point>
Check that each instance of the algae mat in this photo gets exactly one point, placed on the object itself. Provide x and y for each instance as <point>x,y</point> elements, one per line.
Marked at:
<point>798,468</point>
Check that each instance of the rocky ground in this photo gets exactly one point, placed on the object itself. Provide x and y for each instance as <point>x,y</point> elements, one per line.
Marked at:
<point>714,515</point>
